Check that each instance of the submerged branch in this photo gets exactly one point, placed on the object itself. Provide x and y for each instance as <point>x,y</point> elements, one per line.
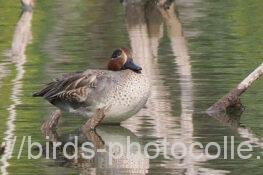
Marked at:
<point>232,99</point>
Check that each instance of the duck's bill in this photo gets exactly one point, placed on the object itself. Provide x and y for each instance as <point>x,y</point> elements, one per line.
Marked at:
<point>132,66</point>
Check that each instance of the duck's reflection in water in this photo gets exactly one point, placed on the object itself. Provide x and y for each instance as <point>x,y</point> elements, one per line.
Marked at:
<point>117,151</point>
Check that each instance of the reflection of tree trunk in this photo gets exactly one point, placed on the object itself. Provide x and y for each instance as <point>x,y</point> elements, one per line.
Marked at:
<point>155,26</point>
<point>142,34</point>
<point>145,27</point>
<point>21,38</point>
<point>182,59</point>
<point>145,35</point>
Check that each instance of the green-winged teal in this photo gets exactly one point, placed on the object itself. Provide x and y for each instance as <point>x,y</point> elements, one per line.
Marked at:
<point>124,88</point>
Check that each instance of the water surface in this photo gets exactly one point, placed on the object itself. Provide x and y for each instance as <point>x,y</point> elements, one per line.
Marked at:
<point>193,57</point>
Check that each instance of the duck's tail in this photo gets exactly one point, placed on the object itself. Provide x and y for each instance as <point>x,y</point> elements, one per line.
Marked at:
<point>49,89</point>
<point>37,94</point>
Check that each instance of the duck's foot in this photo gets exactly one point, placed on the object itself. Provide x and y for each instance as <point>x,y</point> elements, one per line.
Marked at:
<point>50,135</point>
<point>95,119</point>
<point>52,122</point>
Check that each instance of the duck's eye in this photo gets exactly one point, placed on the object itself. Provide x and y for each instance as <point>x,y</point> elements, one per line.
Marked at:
<point>116,53</point>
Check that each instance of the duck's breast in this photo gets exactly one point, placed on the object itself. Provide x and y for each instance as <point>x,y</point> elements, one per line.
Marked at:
<point>126,96</point>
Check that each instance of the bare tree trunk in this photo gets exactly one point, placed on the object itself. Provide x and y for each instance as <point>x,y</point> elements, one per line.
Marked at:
<point>232,99</point>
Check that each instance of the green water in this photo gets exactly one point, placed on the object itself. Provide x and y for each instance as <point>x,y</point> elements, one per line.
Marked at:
<point>223,44</point>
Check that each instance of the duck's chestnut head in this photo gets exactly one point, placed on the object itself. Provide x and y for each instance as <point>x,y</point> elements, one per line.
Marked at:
<point>121,59</point>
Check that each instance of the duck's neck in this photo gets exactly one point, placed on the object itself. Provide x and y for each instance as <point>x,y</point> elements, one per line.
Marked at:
<point>115,64</point>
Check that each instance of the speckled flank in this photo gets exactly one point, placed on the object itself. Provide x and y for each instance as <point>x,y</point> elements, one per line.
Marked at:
<point>128,96</point>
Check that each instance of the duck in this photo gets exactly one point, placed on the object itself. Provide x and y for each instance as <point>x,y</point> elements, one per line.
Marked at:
<point>123,88</point>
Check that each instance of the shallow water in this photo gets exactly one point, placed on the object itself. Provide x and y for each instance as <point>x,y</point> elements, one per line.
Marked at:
<point>193,58</point>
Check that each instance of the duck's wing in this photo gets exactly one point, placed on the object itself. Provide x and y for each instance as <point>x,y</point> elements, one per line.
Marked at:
<point>76,88</point>
<point>57,85</point>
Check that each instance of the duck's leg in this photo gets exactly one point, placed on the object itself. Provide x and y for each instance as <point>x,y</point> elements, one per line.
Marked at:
<point>49,126</point>
<point>95,119</point>
<point>50,134</point>
<point>52,122</point>
<point>88,129</point>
